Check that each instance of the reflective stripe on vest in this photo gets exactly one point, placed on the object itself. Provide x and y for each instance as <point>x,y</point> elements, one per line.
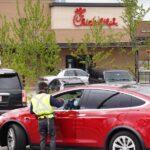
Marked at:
<point>41,105</point>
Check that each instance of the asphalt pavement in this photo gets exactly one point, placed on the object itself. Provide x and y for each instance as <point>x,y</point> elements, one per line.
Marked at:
<point>5,148</point>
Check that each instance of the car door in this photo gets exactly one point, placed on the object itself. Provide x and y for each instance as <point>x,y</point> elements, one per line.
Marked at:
<point>84,76</point>
<point>93,122</point>
<point>31,123</point>
<point>66,119</point>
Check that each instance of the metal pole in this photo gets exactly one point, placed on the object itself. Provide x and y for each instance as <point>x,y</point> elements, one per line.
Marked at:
<point>148,61</point>
<point>136,66</point>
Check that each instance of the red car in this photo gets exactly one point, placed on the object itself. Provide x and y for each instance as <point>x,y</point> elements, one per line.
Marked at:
<point>95,117</point>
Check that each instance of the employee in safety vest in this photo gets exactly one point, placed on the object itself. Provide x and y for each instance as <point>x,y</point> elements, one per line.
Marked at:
<point>42,105</point>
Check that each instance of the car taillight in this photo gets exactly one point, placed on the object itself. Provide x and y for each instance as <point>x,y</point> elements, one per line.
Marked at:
<point>24,98</point>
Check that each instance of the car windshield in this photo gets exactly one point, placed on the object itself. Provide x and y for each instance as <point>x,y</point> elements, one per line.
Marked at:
<point>9,81</point>
<point>118,76</point>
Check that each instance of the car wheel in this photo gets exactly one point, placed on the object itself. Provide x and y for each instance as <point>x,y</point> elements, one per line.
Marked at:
<point>16,138</point>
<point>124,141</point>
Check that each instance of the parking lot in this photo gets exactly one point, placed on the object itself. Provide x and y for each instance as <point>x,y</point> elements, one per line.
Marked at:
<point>5,148</point>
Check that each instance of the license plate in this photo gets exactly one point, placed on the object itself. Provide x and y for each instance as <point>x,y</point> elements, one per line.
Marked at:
<point>0,98</point>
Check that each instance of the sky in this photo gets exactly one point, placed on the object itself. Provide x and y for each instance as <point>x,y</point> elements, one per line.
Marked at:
<point>146,4</point>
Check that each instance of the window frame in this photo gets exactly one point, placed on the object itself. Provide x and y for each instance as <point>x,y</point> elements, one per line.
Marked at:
<point>130,106</point>
<point>71,98</point>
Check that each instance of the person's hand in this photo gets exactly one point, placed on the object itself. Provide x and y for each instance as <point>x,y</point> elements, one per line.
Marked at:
<point>61,99</point>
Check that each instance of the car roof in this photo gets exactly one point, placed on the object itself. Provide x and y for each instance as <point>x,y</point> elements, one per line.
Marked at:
<point>112,88</point>
<point>7,71</point>
<point>71,69</point>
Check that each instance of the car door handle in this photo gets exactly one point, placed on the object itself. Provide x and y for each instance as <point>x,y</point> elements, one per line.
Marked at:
<point>28,118</point>
<point>79,115</point>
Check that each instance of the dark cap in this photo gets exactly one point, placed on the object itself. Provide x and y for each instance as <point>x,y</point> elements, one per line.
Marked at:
<point>42,87</point>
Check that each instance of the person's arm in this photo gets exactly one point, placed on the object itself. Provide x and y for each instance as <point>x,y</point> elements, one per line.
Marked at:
<point>56,102</point>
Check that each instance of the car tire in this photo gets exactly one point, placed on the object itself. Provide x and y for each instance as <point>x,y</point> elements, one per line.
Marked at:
<point>16,139</point>
<point>124,140</point>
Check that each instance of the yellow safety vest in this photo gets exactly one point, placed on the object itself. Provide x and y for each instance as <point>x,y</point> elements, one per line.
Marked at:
<point>41,106</point>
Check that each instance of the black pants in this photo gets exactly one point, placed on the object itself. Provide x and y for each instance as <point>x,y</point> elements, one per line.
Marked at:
<point>47,128</point>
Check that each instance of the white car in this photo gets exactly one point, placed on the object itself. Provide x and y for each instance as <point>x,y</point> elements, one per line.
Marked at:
<point>73,72</point>
<point>66,73</point>
<point>62,83</point>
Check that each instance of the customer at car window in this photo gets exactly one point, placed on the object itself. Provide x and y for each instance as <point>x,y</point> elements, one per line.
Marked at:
<point>42,105</point>
<point>73,103</point>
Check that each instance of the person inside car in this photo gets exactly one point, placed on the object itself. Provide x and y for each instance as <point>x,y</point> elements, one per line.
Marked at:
<point>73,103</point>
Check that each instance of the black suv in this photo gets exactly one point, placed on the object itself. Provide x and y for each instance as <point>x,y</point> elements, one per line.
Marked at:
<point>110,76</point>
<point>12,94</point>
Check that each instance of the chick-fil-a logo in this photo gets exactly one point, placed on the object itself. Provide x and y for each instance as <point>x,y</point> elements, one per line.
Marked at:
<point>80,20</point>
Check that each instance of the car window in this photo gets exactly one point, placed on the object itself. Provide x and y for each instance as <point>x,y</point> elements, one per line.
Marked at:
<point>118,76</point>
<point>96,97</point>
<point>9,81</point>
<point>137,101</point>
<point>121,101</point>
<point>54,86</point>
<point>81,73</point>
<point>71,98</point>
<point>57,85</point>
<point>117,101</point>
<point>69,73</point>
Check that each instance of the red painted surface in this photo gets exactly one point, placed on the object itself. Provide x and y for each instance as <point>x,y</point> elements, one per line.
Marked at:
<point>88,127</point>
<point>80,20</point>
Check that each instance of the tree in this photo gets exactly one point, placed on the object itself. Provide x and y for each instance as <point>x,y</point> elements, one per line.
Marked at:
<point>5,45</point>
<point>34,50</point>
<point>133,14</point>
<point>100,50</point>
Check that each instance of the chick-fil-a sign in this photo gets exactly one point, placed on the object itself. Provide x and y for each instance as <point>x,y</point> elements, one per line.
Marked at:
<point>80,20</point>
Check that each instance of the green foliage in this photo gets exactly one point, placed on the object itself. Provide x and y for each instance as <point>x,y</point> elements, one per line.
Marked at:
<point>148,40</point>
<point>132,16</point>
<point>97,54</point>
<point>6,47</point>
<point>31,48</point>
<point>101,59</point>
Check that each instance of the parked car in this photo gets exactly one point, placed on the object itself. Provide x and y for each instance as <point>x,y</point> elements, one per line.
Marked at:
<point>111,76</point>
<point>74,72</point>
<point>62,83</point>
<point>45,80</point>
<point>66,73</point>
<point>100,117</point>
<point>12,94</point>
